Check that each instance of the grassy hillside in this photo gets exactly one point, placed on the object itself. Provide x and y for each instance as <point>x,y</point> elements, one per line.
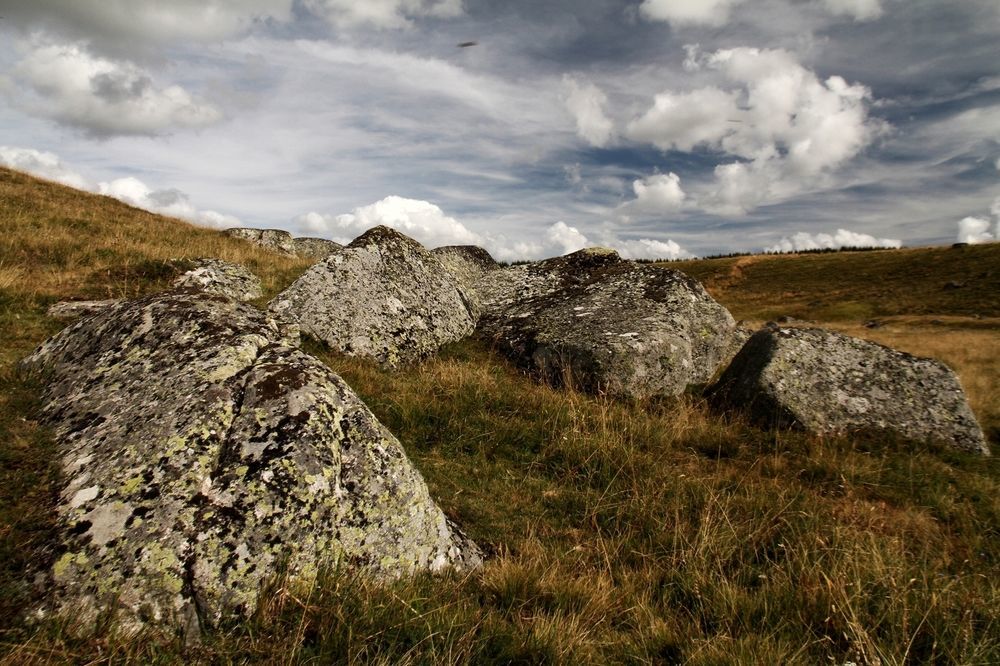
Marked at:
<point>651,533</point>
<point>846,286</point>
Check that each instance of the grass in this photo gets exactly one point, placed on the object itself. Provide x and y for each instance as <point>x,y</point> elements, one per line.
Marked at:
<point>651,533</point>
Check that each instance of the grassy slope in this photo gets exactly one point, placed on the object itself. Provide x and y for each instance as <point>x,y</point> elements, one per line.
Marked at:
<point>652,533</point>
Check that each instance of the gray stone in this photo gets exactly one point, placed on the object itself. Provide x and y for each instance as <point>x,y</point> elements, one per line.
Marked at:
<point>825,382</point>
<point>283,242</point>
<point>272,239</point>
<point>75,309</point>
<point>221,277</point>
<point>315,248</point>
<point>468,264</point>
<point>202,457</point>
<point>383,296</point>
<point>607,325</point>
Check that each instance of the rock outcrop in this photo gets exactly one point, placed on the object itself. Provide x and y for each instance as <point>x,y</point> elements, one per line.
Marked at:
<point>607,325</point>
<point>383,296</point>
<point>272,239</point>
<point>315,248</point>
<point>468,264</point>
<point>825,382</point>
<point>221,277</point>
<point>203,456</point>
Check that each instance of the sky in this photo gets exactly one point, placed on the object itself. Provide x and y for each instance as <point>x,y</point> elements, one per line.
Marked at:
<point>661,128</point>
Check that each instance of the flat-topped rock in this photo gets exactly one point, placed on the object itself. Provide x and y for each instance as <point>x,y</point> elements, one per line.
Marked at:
<point>825,382</point>
<point>607,325</point>
<point>384,296</point>
<point>203,456</point>
<point>221,277</point>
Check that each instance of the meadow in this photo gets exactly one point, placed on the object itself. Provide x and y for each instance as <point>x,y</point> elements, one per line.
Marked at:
<point>657,532</point>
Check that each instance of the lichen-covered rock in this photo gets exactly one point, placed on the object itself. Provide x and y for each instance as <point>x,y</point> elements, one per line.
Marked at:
<point>383,296</point>
<point>515,284</point>
<point>283,242</point>
<point>75,309</point>
<point>202,456</point>
<point>221,277</point>
<point>608,325</point>
<point>825,382</point>
<point>315,248</point>
<point>272,239</point>
<point>468,264</point>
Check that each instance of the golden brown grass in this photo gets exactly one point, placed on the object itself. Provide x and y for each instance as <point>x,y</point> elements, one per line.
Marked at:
<point>650,533</point>
<point>59,243</point>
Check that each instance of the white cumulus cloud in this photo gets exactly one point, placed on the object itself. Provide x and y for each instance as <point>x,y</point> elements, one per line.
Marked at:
<point>430,226</point>
<point>420,220</point>
<point>786,128</point>
<point>688,12</point>
<point>975,230</point>
<point>684,120</point>
<point>42,164</point>
<point>586,103</point>
<point>381,13</point>
<point>657,194</point>
<point>978,229</point>
<point>646,248</point>
<point>842,239</point>
<point>131,190</point>
<point>170,202</point>
<point>105,97</point>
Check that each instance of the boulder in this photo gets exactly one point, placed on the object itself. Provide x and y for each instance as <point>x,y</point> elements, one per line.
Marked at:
<point>221,277</point>
<point>602,324</point>
<point>272,239</point>
<point>203,456</point>
<point>75,309</point>
<point>825,382</point>
<point>383,296</point>
<point>314,248</point>
<point>468,264</point>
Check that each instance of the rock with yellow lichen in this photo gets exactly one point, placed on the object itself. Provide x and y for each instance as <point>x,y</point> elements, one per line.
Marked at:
<point>384,296</point>
<point>203,455</point>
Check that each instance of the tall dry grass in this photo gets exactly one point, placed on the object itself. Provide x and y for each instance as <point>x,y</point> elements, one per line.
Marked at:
<point>650,533</point>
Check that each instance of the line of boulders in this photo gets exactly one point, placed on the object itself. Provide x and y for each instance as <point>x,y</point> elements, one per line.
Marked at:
<point>203,451</point>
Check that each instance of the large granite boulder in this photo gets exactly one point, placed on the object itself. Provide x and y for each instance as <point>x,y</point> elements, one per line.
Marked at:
<point>221,277</point>
<point>314,248</point>
<point>272,239</point>
<point>383,296</point>
<point>602,324</point>
<point>825,382</point>
<point>468,264</point>
<point>203,456</point>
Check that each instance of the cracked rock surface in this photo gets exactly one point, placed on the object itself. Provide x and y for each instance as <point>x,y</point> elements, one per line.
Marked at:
<point>222,277</point>
<point>384,296</point>
<point>202,455</point>
<point>825,382</point>
<point>607,325</point>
